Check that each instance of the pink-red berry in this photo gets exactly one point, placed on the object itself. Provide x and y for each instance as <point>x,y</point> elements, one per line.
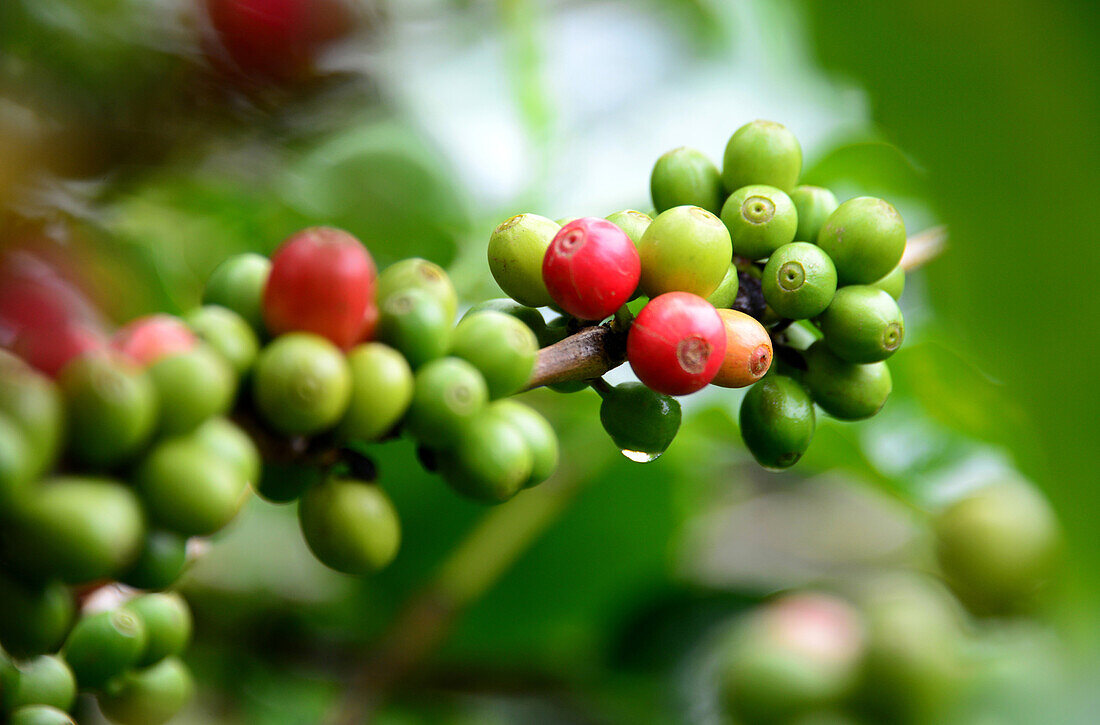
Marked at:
<point>677,343</point>
<point>591,268</point>
<point>148,339</point>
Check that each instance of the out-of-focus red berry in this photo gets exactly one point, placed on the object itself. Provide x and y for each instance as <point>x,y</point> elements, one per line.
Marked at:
<point>50,350</point>
<point>677,343</point>
<point>591,268</point>
<point>148,339</point>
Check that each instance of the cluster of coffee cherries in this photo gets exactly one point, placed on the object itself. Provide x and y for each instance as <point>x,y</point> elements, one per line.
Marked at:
<point>732,267</point>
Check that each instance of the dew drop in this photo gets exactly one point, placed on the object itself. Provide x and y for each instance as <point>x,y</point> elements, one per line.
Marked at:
<point>640,456</point>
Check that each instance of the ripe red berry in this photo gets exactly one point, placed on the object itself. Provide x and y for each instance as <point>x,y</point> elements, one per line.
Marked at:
<point>591,268</point>
<point>370,322</point>
<point>148,339</point>
<point>322,281</point>
<point>677,343</point>
<point>50,350</point>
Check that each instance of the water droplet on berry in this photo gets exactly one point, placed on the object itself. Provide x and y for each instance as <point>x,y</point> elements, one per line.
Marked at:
<point>640,456</point>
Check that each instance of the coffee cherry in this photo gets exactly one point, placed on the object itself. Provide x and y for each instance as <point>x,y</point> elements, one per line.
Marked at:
<point>104,645</point>
<point>15,460</point>
<point>865,238</point>
<point>537,432</point>
<point>227,333</point>
<point>777,421</point>
<point>491,461</point>
<point>686,176</point>
<point>676,344</point>
<point>748,351</point>
<point>423,275</point>
<point>148,339</point>
<point>148,697</point>
<point>192,386</point>
<point>501,347</point>
<point>189,489</point>
<point>167,620</point>
<point>760,219</point>
<point>322,281</point>
<point>641,422</point>
<point>34,617</point>
<point>417,324</point>
<point>799,281</point>
<point>350,526</point>
<point>33,403</point>
<point>591,268</point>
<point>762,152</point>
<point>370,322</point>
<point>634,223</point>
<point>516,250</point>
<point>111,409</point>
<point>161,561</point>
<point>726,293</point>
<point>998,546</point>
<point>685,249</point>
<point>40,715</point>
<point>301,384</point>
<point>225,440</point>
<point>893,283</point>
<point>51,350</point>
<point>238,284</point>
<point>844,390</point>
<point>862,324</point>
<point>75,529</point>
<point>814,205</point>
<point>447,393</point>
<point>381,390</point>
<point>44,680</point>
<point>527,315</point>
<point>285,482</point>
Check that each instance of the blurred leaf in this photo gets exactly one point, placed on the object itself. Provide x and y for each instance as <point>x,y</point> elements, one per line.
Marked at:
<point>874,167</point>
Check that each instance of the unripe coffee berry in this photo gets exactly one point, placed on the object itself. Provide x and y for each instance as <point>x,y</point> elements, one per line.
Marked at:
<point>33,403</point>
<point>447,393</point>
<point>104,645</point>
<point>350,526</point>
<point>640,421</point>
<point>893,283</point>
<point>188,489</point>
<point>151,696</point>
<point>726,294</point>
<point>686,176</point>
<point>167,620</point>
<point>16,473</point>
<point>44,680</point>
<point>40,715</point>
<point>760,219</point>
<point>238,284</point>
<point>634,223</point>
<point>748,350</point>
<point>423,275</point>
<point>527,315</point>
<point>761,152</point>
<point>677,343</point>
<point>381,390</point>
<point>192,386</point>
<point>227,333</point>
<point>416,323</point>
<point>777,421</point>
<point>301,384</point>
<point>845,390</point>
<point>862,324</point>
<point>685,249</point>
<point>161,561</point>
<point>537,432</point>
<point>865,238</point>
<point>225,440</point>
<point>500,346</point>
<point>491,461</point>
<point>34,616</point>
<point>814,204</point>
<point>516,250</point>
<point>591,268</point>
<point>799,281</point>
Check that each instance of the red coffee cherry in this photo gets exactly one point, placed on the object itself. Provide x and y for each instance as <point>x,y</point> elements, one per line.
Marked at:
<point>50,350</point>
<point>322,281</point>
<point>148,339</point>
<point>591,268</point>
<point>677,343</point>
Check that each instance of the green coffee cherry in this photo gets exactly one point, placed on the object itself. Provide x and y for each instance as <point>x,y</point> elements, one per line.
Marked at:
<point>685,249</point>
<point>760,219</point>
<point>799,281</point>
<point>814,205</point>
<point>238,284</point>
<point>103,646</point>
<point>777,421</point>
<point>491,462</point>
<point>562,221</point>
<point>641,422</point>
<point>285,482</point>
<point>862,324</point>
<point>77,529</point>
<point>726,294</point>
<point>537,432</point>
<point>34,617</point>
<point>227,333</point>
<point>762,152</point>
<point>516,249</point>
<point>40,715</point>
<point>501,347</point>
<point>44,680</point>
<point>225,440</point>
<point>350,526</point>
<point>865,237</point>
<point>381,390</point>
<point>634,223</point>
<point>893,283</point>
<point>301,384</point>
<point>447,393</point>
<point>192,386</point>
<point>189,489</point>
<point>33,402</point>
<point>415,323</point>
<point>844,390</point>
<point>160,563</point>
<point>686,176</point>
<point>527,315</point>
<point>416,273</point>
<point>111,409</point>
<point>167,620</point>
<point>15,460</point>
<point>148,697</point>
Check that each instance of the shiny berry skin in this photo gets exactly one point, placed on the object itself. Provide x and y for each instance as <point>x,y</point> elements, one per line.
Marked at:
<point>192,386</point>
<point>527,315</point>
<point>301,384</point>
<point>225,440</point>
<point>34,405</point>
<point>227,333</point>
<point>777,421</point>
<point>677,343</point>
<point>148,339</point>
<point>151,696</point>
<point>491,461</point>
<point>641,422</point>
<point>814,204</point>
<point>726,294</point>
<point>762,152</point>
<point>634,223</point>
<point>799,281</point>
<point>537,432</point>
<point>322,281</point>
<point>188,489</point>
<point>381,390</point>
<point>423,275</point>
<point>685,249</point>
<point>104,645</point>
<point>16,460</point>
<point>863,324</point>
<point>516,251</point>
<point>591,268</point>
<point>760,219</point>
<point>500,346</point>
<point>34,616</point>
<point>844,390</point>
<point>161,562</point>
<point>167,620</point>
<point>44,680</point>
<point>865,238</point>
<point>238,284</point>
<point>447,394</point>
<point>893,283</point>
<point>40,715</point>
<point>350,526</point>
<point>417,324</point>
<point>686,176</point>
<point>748,351</point>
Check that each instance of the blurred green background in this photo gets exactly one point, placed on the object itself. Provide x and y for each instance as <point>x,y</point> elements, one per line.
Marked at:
<point>128,154</point>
